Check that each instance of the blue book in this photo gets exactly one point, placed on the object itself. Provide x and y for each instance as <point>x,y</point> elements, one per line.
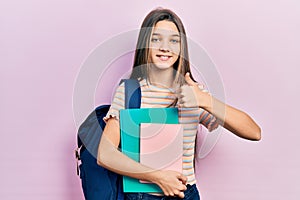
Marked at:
<point>130,120</point>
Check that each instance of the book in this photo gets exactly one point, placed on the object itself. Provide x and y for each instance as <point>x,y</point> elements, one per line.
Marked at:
<point>161,146</point>
<point>130,120</point>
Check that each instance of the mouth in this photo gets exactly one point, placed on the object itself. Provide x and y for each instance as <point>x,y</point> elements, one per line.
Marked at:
<point>164,57</point>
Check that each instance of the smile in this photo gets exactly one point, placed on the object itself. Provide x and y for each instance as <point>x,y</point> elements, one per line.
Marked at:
<point>164,57</point>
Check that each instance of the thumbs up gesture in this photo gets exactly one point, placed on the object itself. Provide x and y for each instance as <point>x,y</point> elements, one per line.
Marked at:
<point>192,95</point>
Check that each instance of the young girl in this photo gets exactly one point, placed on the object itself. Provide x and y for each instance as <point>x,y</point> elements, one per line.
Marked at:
<point>162,67</point>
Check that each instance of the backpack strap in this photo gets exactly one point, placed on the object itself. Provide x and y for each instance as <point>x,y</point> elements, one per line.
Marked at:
<point>132,93</point>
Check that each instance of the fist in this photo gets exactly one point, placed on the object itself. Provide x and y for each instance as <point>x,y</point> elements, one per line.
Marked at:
<point>192,94</point>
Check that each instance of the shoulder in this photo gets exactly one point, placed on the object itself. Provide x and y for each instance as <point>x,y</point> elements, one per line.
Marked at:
<point>120,89</point>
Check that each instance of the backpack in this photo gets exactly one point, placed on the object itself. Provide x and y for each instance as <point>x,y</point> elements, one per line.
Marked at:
<point>98,182</point>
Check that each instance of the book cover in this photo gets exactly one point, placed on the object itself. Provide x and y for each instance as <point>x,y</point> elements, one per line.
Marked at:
<point>161,146</point>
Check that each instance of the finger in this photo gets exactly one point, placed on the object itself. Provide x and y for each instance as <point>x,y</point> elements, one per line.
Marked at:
<point>182,178</point>
<point>183,187</point>
<point>165,191</point>
<point>169,192</point>
<point>181,195</point>
<point>181,100</point>
<point>179,95</point>
<point>188,79</point>
<point>183,105</point>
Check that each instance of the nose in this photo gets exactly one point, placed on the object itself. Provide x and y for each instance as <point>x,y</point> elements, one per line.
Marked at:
<point>164,47</point>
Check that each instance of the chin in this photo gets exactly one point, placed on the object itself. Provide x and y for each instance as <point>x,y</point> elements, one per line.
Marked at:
<point>162,66</point>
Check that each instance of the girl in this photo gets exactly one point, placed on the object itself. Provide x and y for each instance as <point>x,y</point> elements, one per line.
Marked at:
<point>162,67</point>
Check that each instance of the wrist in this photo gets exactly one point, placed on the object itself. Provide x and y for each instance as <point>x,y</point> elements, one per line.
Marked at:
<point>206,101</point>
<point>154,176</point>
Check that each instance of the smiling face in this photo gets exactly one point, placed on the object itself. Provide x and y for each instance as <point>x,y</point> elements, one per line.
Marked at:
<point>164,45</point>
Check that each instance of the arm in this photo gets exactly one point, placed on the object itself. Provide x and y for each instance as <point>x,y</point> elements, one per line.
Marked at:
<point>171,182</point>
<point>234,120</point>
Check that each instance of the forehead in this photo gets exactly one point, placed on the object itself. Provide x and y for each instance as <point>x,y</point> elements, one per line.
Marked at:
<point>165,28</point>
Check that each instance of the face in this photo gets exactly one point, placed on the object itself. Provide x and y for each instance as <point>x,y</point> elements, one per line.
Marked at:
<point>164,44</point>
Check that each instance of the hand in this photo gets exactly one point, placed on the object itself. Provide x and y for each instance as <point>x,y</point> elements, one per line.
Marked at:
<point>172,183</point>
<point>192,95</point>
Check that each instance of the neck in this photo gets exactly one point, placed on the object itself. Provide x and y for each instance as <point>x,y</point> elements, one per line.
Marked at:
<point>161,77</point>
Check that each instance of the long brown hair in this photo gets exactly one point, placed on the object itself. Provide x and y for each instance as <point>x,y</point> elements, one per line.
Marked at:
<point>142,57</point>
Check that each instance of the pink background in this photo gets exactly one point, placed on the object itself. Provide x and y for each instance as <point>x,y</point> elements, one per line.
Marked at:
<point>255,45</point>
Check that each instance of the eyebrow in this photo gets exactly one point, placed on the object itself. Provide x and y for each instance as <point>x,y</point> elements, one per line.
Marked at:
<point>170,35</point>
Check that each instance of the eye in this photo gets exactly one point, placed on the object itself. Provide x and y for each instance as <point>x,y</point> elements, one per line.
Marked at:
<point>154,40</point>
<point>174,41</point>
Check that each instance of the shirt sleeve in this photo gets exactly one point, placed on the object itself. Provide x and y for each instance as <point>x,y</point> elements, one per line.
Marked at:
<point>208,120</point>
<point>117,104</point>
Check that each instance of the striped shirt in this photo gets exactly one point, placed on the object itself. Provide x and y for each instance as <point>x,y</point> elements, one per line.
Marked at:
<point>159,97</point>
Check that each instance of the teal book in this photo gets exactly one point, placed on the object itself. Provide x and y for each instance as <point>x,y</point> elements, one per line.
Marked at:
<point>130,120</point>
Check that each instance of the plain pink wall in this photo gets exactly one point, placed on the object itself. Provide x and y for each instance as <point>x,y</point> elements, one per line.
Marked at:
<point>254,44</point>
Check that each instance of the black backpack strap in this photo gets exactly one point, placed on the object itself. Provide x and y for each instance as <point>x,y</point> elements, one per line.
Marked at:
<point>132,93</point>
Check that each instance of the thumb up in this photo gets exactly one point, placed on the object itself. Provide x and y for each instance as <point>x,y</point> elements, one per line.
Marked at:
<point>190,94</point>
<point>189,81</point>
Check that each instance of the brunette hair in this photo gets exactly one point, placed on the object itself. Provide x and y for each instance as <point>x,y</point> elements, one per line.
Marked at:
<point>142,57</point>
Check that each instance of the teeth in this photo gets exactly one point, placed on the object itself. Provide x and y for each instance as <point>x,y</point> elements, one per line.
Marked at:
<point>164,58</point>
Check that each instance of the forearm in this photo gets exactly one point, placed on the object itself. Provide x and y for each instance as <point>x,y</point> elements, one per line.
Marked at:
<point>236,121</point>
<point>114,160</point>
